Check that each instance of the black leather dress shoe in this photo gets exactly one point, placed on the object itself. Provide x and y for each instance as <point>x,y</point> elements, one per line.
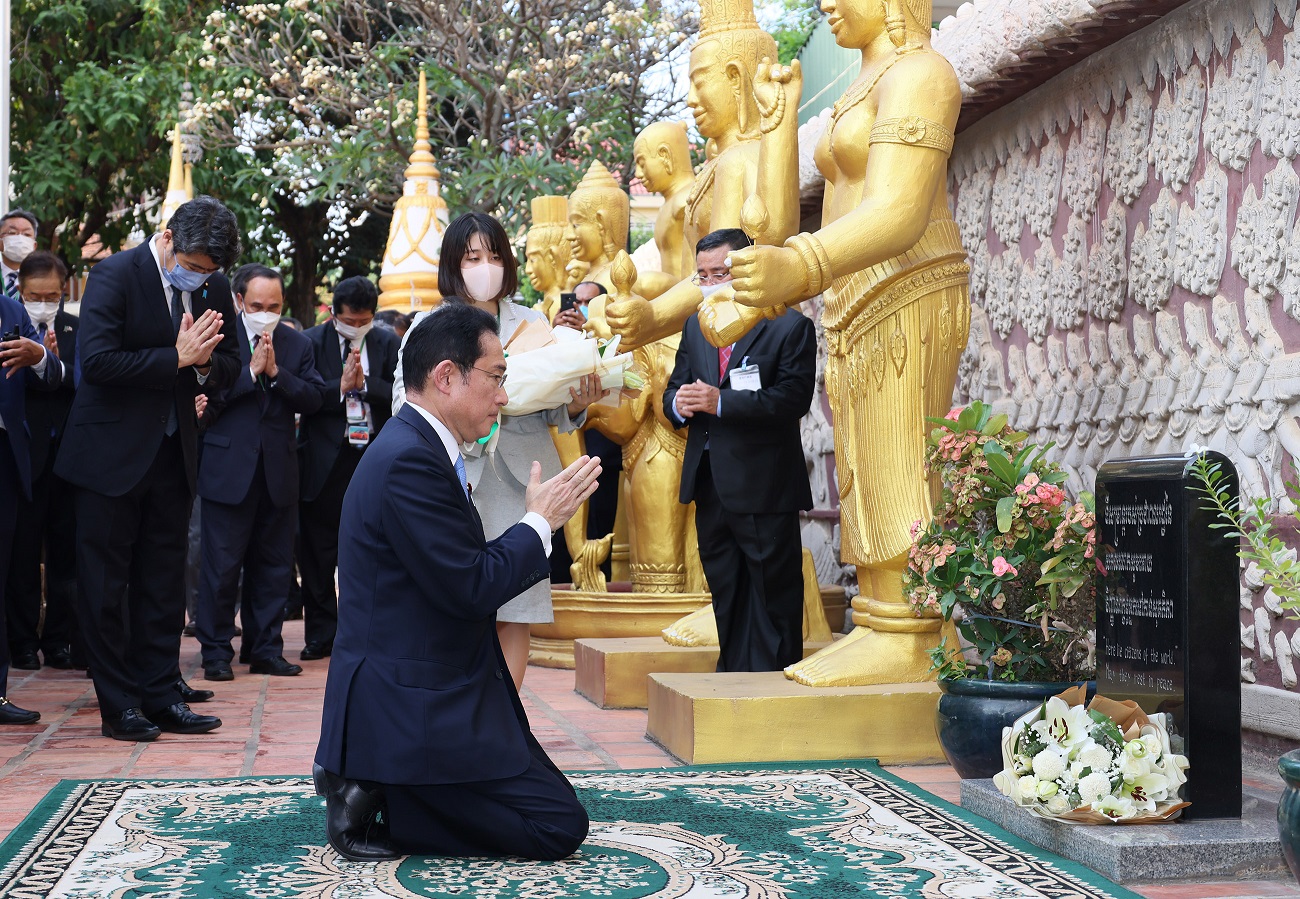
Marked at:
<point>26,661</point>
<point>189,694</point>
<point>293,613</point>
<point>278,666</point>
<point>178,719</point>
<point>12,714</point>
<point>188,630</point>
<point>60,658</point>
<point>216,671</point>
<point>351,822</point>
<point>313,651</point>
<point>129,724</point>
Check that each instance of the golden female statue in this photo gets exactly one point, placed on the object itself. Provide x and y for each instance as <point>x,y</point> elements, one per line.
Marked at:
<point>889,262</point>
<point>663,165</point>
<point>724,62</point>
<point>547,252</point>
<point>598,219</point>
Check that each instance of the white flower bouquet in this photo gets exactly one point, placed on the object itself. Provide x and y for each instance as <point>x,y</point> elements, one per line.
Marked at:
<point>1107,763</point>
<point>541,370</point>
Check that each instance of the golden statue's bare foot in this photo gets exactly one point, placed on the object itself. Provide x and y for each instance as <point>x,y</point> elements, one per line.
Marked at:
<point>699,628</point>
<point>585,569</point>
<point>867,657</point>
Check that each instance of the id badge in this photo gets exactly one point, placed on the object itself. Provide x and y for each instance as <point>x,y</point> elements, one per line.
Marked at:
<point>358,434</point>
<point>356,410</point>
<point>746,378</point>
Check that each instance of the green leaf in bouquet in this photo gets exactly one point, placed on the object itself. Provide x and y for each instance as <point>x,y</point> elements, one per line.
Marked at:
<point>1104,728</point>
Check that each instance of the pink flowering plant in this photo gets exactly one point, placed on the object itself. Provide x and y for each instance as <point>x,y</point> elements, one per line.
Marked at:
<point>1007,555</point>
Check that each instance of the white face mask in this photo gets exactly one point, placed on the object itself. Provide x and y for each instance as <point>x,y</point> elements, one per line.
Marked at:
<point>483,281</point>
<point>352,333</point>
<point>18,246</point>
<point>42,313</point>
<point>260,322</point>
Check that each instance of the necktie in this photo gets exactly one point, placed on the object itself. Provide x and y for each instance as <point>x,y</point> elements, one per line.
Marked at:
<point>178,310</point>
<point>344,349</point>
<point>460,473</point>
<point>724,358</point>
<point>11,285</point>
<point>40,332</point>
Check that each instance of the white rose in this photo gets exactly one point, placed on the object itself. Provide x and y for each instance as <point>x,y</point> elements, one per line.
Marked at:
<point>1153,744</point>
<point>1049,764</point>
<point>1093,787</point>
<point>1028,786</point>
<point>1058,804</point>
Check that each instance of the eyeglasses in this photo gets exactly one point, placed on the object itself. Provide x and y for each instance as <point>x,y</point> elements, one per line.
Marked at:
<point>500,379</point>
<point>42,297</point>
<point>708,280</point>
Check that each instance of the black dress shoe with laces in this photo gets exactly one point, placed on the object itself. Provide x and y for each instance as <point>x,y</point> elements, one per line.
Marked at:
<point>278,666</point>
<point>313,651</point>
<point>25,661</point>
<point>129,724</point>
<point>189,694</point>
<point>60,658</point>
<point>179,719</point>
<point>12,714</point>
<point>351,818</point>
<point>218,670</point>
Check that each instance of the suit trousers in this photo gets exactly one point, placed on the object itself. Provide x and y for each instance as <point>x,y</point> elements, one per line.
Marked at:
<point>319,545</point>
<point>10,492</point>
<point>254,535</point>
<point>131,584</point>
<point>754,566</point>
<point>534,815</point>
<point>49,532</point>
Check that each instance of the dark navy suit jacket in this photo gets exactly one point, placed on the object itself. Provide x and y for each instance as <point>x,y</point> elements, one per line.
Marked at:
<point>126,352</point>
<point>13,392</point>
<point>251,417</point>
<point>47,413</point>
<point>418,691</point>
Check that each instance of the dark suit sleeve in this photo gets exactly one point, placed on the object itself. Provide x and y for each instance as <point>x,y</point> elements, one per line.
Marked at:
<point>100,339</point>
<point>432,534</point>
<point>379,383</point>
<point>53,374</point>
<point>682,375</point>
<point>301,389</point>
<point>225,355</point>
<point>790,395</point>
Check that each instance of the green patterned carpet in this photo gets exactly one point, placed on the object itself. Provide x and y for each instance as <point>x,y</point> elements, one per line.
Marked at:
<point>754,832</point>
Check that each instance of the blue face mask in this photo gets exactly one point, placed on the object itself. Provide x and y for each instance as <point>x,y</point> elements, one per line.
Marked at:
<point>182,278</point>
<point>585,314</point>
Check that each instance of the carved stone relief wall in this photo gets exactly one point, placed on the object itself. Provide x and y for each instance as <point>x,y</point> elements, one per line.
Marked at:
<point>1136,257</point>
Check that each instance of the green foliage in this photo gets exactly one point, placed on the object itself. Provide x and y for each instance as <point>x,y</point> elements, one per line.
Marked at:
<point>1254,526</point>
<point>1006,548</point>
<point>790,22</point>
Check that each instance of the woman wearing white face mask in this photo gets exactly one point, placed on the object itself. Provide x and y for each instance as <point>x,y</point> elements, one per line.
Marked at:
<point>478,265</point>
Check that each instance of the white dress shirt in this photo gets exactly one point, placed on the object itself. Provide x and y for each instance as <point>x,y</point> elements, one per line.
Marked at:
<point>532,519</point>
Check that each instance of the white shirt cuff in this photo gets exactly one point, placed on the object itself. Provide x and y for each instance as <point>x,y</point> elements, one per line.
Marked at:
<point>39,368</point>
<point>541,526</point>
<point>202,378</point>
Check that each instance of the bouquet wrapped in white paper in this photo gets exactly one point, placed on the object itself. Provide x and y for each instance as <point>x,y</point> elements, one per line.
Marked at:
<point>539,376</point>
<point>1107,763</point>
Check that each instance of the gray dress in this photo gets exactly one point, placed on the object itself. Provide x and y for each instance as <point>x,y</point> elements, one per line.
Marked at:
<point>499,478</point>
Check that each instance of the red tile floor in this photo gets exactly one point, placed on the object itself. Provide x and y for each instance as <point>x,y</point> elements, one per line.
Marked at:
<point>270,726</point>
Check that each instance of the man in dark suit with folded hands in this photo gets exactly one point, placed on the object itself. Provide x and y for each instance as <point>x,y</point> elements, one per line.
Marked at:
<point>744,469</point>
<point>248,481</point>
<point>421,723</point>
<point>157,326</point>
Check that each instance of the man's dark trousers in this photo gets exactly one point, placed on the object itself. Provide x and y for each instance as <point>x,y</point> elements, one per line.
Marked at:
<point>257,536</point>
<point>319,549</point>
<point>753,563</point>
<point>131,583</point>
<point>10,491</point>
<point>49,534</point>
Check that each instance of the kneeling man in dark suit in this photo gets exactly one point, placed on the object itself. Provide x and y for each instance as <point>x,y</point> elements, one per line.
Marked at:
<point>425,747</point>
<point>744,469</point>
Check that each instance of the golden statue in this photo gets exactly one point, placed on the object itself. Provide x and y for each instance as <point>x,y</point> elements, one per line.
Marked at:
<point>889,262</point>
<point>598,218</point>
<point>547,252</point>
<point>724,63</point>
<point>408,278</point>
<point>663,164</point>
<point>180,183</point>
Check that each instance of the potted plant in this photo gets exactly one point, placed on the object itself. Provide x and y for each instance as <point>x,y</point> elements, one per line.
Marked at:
<point>1254,525</point>
<point>1012,560</point>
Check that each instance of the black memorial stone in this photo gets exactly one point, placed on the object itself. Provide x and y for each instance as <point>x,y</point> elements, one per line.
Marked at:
<point>1167,622</point>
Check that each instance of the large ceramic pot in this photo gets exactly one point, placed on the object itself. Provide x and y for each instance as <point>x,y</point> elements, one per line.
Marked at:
<point>1288,810</point>
<point>971,716</point>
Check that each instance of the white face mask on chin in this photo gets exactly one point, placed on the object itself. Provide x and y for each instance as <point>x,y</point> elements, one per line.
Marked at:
<point>483,281</point>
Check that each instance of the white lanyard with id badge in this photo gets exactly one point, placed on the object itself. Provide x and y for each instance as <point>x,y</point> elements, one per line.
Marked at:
<point>745,376</point>
<point>360,424</point>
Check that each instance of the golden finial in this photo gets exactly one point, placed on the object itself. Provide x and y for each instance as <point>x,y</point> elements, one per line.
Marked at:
<point>178,190</point>
<point>422,162</point>
<point>726,15</point>
<point>597,178</point>
<point>622,273</point>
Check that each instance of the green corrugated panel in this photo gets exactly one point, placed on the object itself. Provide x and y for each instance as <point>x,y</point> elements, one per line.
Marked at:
<point>828,69</point>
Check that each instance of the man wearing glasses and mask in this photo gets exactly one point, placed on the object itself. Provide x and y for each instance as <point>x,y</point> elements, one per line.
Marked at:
<point>744,468</point>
